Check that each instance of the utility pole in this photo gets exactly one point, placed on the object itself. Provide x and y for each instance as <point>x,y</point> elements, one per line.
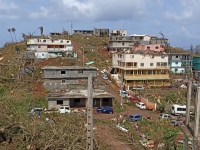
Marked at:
<point>196,117</point>
<point>122,78</point>
<point>71,26</point>
<point>83,56</point>
<point>89,144</point>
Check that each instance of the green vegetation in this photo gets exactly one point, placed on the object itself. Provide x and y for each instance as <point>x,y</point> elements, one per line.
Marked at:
<point>117,107</point>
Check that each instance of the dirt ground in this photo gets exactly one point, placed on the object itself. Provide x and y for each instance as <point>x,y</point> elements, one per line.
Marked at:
<point>106,131</point>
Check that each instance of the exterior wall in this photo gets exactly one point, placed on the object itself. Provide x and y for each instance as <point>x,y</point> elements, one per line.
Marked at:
<point>118,46</point>
<point>119,32</point>
<point>75,103</point>
<point>68,73</point>
<point>86,32</point>
<point>180,63</point>
<point>52,102</point>
<point>152,47</point>
<point>196,63</point>
<point>178,70</point>
<point>101,32</point>
<point>122,59</point>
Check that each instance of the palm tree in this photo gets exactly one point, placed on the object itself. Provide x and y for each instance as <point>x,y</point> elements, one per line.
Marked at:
<point>13,30</point>
<point>9,30</point>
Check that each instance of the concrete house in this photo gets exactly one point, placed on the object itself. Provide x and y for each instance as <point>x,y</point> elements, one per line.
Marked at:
<point>118,33</point>
<point>119,43</point>
<point>138,68</point>
<point>180,62</point>
<point>101,32</point>
<point>84,32</point>
<point>68,86</point>
<point>47,48</point>
<point>148,47</point>
<point>196,63</point>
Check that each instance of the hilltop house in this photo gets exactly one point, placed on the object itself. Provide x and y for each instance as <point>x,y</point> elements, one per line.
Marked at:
<point>101,32</point>
<point>119,43</point>
<point>84,32</point>
<point>180,62</point>
<point>68,86</point>
<point>46,48</point>
<point>139,68</point>
<point>118,33</point>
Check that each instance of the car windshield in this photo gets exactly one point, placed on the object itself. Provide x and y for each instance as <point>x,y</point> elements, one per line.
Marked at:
<point>142,104</point>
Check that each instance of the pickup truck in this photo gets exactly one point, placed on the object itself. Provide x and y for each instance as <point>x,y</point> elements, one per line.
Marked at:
<point>64,109</point>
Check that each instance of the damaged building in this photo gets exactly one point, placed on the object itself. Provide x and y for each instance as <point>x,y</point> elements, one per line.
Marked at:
<point>67,85</point>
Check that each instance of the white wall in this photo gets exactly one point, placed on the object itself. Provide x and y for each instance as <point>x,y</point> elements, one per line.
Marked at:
<point>138,58</point>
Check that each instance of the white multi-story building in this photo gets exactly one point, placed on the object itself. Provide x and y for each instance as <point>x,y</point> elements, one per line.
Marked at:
<point>45,48</point>
<point>119,32</point>
<point>142,69</point>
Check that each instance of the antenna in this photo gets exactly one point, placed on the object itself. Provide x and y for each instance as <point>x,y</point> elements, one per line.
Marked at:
<point>71,26</point>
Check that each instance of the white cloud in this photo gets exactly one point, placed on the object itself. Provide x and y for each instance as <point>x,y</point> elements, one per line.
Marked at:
<point>187,12</point>
<point>97,10</point>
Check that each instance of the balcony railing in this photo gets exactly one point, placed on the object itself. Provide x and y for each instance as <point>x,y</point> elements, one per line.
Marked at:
<point>157,67</point>
<point>146,77</point>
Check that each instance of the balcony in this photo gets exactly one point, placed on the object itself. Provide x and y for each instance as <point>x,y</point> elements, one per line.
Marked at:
<point>141,67</point>
<point>146,77</point>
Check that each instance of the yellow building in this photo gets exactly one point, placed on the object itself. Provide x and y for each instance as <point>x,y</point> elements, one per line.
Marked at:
<point>145,69</point>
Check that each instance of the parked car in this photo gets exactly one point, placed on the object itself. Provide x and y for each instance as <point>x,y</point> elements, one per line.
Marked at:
<point>140,105</point>
<point>138,88</point>
<point>105,109</point>
<point>165,116</point>
<point>127,95</point>
<point>135,117</point>
<point>178,121</point>
<point>104,76</point>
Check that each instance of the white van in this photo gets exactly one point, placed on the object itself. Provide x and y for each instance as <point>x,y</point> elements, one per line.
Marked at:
<point>64,109</point>
<point>178,109</point>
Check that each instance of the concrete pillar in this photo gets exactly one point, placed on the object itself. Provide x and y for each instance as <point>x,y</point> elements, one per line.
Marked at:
<point>197,107</point>
<point>189,92</point>
<point>185,143</point>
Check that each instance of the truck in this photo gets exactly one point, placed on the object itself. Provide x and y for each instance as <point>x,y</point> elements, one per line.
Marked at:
<point>64,109</point>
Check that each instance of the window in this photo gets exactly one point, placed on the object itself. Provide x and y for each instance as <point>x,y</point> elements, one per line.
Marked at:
<point>158,63</point>
<point>63,81</point>
<point>151,64</point>
<point>77,101</point>
<point>39,46</point>
<point>67,41</point>
<point>59,102</point>
<point>122,43</point>
<point>172,107</point>
<point>176,63</point>
<point>141,64</point>
<point>176,56</point>
<point>181,109</point>
<point>176,70</point>
<point>63,72</point>
<point>132,56</point>
<point>44,40</point>
<point>148,47</point>
<point>157,47</point>
<point>165,63</point>
<point>61,41</point>
<point>80,71</point>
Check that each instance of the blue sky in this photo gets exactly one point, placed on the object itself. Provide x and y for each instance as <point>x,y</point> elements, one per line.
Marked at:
<point>178,20</point>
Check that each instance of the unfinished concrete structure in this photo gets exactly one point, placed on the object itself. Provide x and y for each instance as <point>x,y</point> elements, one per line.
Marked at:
<point>118,32</point>
<point>101,32</point>
<point>68,86</point>
<point>84,32</point>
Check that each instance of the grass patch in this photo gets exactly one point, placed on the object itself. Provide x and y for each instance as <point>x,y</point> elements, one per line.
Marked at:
<point>118,108</point>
